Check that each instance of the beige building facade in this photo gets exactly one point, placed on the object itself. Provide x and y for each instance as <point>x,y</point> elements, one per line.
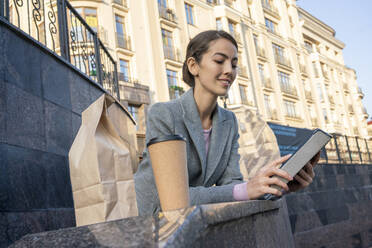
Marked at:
<point>291,67</point>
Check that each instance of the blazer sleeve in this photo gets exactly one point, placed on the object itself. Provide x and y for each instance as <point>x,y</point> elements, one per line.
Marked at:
<point>223,191</point>
<point>160,121</point>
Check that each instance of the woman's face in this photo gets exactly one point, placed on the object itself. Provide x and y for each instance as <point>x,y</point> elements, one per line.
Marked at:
<point>217,68</point>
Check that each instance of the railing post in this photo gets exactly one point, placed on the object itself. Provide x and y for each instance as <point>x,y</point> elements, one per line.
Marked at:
<point>369,154</point>
<point>4,9</point>
<point>116,81</point>
<point>360,155</point>
<point>348,148</point>
<point>337,150</point>
<point>63,29</point>
<point>98,59</point>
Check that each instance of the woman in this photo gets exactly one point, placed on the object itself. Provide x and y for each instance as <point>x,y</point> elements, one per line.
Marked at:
<point>211,132</point>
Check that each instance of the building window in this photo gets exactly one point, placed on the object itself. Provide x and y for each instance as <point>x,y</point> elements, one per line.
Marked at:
<point>285,83</point>
<point>90,17</point>
<point>261,71</point>
<point>124,71</point>
<point>162,3</point>
<point>325,115</point>
<point>243,93</point>
<point>270,25</point>
<point>133,110</point>
<point>278,51</point>
<point>167,44</point>
<point>218,24</point>
<point>231,97</point>
<point>308,47</point>
<point>290,108</point>
<point>175,91</point>
<point>189,14</point>
<point>267,106</point>
<point>320,93</point>
<point>255,40</point>
<point>122,41</point>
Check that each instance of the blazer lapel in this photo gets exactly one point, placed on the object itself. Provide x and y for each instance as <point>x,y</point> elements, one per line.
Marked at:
<point>220,132</point>
<point>193,124</point>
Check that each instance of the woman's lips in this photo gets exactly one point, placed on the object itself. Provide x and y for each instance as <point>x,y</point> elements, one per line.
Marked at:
<point>225,83</point>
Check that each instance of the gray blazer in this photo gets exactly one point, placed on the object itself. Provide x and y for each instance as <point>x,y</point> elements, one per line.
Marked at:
<point>211,177</point>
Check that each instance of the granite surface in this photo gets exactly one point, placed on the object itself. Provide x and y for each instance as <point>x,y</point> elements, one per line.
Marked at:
<point>240,224</point>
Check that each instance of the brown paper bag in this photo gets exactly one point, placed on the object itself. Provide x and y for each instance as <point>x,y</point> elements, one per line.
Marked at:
<point>101,169</point>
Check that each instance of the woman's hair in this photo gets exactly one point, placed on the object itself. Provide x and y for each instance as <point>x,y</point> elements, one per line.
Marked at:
<point>200,45</point>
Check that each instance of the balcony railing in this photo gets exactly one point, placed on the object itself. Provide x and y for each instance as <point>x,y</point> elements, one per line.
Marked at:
<point>266,82</point>
<point>175,91</point>
<point>293,116</point>
<point>260,52</point>
<point>123,41</point>
<point>172,53</point>
<point>331,100</point>
<point>346,87</point>
<point>270,8</point>
<point>350,108</point>
<point>229,3</point>
<point>167,13</point>
<point>356,131</point>
<point>291,90</point>
<point>243,72</point>
<point>59,28</point>
<point>122,3</point>
<point>360,92</point>
<point>281,60</point>
<point>314,122</point>
<point>213,2</point>
<point>309,95</point>
<point>303,69</point>
<point>272,114</point>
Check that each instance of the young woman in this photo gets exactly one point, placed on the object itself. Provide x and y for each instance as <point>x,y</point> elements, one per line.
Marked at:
<point>211,132</point>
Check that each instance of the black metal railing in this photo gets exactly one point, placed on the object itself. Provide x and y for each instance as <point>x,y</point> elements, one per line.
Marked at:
<point>59,27</point>
<point>347,149</point>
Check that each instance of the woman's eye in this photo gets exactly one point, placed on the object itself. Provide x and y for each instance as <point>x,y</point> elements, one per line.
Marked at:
<point>234,66</point>
<point>219,61</point>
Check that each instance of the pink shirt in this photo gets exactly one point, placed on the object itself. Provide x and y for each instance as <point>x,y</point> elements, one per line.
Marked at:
<point>207,137</point>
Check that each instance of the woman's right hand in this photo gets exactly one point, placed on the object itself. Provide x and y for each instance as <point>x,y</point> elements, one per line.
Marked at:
<point>260,183</point>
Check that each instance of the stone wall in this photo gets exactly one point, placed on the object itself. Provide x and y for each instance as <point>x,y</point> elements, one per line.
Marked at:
<point>41,100</point>
<point>335,211</point>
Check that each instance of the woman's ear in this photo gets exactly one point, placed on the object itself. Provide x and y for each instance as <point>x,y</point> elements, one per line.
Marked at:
<point>193,66</point>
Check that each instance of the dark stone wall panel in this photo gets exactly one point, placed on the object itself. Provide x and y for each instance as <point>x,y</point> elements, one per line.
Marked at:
<point>25,75</point>
<point>24,119</point>
<point>15,225</point>
<point>80,93</point>
<point>35,179</point>
<point>58,128</point>
<point>2,110</point>
<point>55,81</point>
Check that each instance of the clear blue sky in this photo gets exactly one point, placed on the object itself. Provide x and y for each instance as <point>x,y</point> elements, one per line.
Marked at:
<point>352,21</point>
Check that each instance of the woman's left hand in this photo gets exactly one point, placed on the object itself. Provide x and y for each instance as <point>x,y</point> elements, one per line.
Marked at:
<point>305,176</point>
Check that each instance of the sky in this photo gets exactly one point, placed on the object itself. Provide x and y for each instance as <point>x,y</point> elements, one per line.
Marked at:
<point>352,21</point>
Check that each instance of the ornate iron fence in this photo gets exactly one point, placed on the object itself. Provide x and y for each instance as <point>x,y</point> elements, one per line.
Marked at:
<point>60,28</point>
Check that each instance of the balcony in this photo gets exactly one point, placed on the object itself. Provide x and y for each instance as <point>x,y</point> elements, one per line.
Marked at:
<point>236,36</point>
<point>350,108</point>
<point>270,9</point>
<point>123,41</point>
<point>290,90</point>
<point>346,87</point>
<point>260,52</point>
<point>272,114</point>
<point>167,14</point>
<point>283,61</point>
<point>309,96</point>
<point>266,83</point>
<point>175,91</point>
<point>212,2</point>
<point>122,3</point>
<point>303,69</point>
<point>294,116</point>
<point>365,113</point>
<point>331,100</point>
<point>325,74</point>
<point>356,131</point>
<point>360,93</point>
<point>228,3</point>
<point>243,72</point>
<point>247,102</point>
<point>172,53</point>
<point>314,122</point>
